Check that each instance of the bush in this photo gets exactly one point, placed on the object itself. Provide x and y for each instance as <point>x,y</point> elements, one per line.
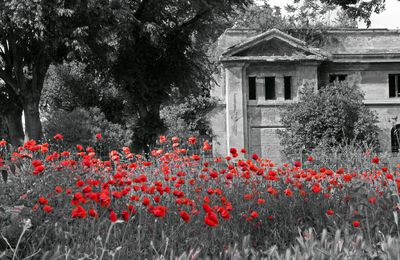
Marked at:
<point>80,126</point>
<point>335,114</point>
<point>189,117</point>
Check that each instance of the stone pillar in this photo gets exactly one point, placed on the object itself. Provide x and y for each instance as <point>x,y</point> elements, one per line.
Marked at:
<point>236,106</point>
<point>260,88</point>
<point>279,88</point>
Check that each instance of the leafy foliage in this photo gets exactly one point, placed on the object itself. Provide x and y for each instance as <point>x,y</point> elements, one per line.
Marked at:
<point>80,126</point>
<point>189,116</point>
<point>359,8</point>
<point>160,46</point>
<point>71,85</point>
<point>335,114</point>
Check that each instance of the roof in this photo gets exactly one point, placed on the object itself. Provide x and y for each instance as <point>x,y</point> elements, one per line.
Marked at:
<point>337,45</point>
<point>300,50</point>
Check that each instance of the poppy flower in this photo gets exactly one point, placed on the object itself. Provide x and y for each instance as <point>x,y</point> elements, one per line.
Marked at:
<point>356,223</point>
<point>79,212</point>
<point>375,160</point>
<point>58,137</point>
<point>192,140</point>
<point>125,215</point>
<point>254,214</point>
<point>48,208</point>
<point>43,200</point>
<point>211,219</point>
<point>98,136</point>
<point>162,139</point>
<point>113,216</point>
<point>185,216</point>
<point>330,212</point>
<point>93,213</point>
<point>159,211</point>
<point>233,150</point>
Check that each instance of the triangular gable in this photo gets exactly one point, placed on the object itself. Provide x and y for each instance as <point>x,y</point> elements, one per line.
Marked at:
<point>272,43</point>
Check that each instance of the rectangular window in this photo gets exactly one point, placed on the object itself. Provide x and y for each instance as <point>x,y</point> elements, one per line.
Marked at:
<point>252,88</point>
<point>394,89</point>
<point>337,78</point>
<point>288,87</point>
<point>270,88</point>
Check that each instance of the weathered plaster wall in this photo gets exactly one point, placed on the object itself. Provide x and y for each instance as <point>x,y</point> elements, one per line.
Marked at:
<point>372,78</point>
<point>361,41</point>
<point>264,115</point>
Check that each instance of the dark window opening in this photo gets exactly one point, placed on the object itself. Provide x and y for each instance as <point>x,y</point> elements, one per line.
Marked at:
<point>252,88</point>
<point>394,89</point>
<point>337,77</point>
<point>288,87</point>
<point>395,136</point>
<point>270,88</point>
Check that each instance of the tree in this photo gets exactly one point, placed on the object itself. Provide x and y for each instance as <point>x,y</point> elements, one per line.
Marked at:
<point>71,85</point>
<point>361,9</point>
<point>335,114</point>
<point>34,34</point>
<point>160,46</point>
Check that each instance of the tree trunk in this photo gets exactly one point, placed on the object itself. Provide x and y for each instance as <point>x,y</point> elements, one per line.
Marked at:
<point>33,126</point>
<point>149,127</point>
<point>13,123</point>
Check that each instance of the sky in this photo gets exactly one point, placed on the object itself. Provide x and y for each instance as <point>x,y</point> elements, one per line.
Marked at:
<point>387,19</point>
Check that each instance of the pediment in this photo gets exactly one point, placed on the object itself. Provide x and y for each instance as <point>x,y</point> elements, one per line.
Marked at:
<point>273,43</point>
<point>273,47</point>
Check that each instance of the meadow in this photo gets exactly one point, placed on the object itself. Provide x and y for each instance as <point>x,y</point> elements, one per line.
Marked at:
<point>179,202</point>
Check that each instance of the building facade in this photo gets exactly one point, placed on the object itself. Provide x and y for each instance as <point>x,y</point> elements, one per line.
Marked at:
<point>261,72</point>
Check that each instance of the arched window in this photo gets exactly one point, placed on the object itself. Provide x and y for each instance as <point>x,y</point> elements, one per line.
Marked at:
<point>395,135</point>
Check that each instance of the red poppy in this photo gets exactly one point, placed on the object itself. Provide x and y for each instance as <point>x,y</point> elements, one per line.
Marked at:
<point>98,136</point>
<point>375,160</point>
<point>125,215</point>
<point>93,213</point>
<point>47,208</point>
<point>356,223</point>
<point>58,137</point>
<point>254,214</point>
<point>159,211</point>
<point>79,212</point>
<point>185,216</point>
<point>330,212</point>
<point>43,200</point>
<point>192,140</point>
<point>113,216</point>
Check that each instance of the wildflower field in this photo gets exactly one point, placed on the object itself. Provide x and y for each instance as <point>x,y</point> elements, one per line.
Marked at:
<point>179,202</point>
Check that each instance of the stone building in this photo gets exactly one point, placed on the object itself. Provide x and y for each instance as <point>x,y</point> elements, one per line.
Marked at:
<point>261,72</point>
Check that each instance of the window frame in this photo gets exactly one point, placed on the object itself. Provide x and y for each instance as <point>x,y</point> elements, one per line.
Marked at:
<point>273,79</point>
<point>396,85</point>
<point>287,88</point>
<point>337,78</point>
<point>249,79</point>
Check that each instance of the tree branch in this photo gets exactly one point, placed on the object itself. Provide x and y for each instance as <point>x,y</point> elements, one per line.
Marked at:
<point>9,81</point>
